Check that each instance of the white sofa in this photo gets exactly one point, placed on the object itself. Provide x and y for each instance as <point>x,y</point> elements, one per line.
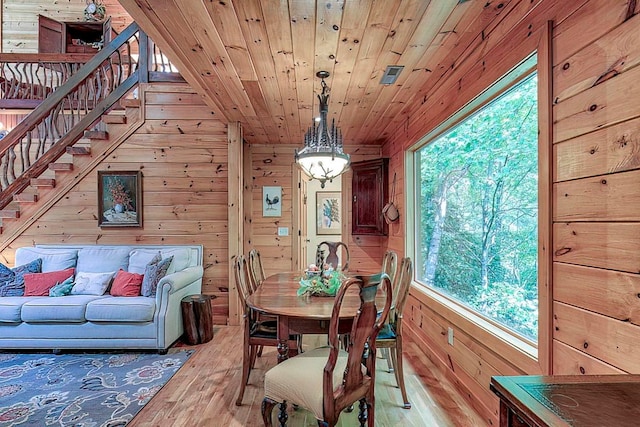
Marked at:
<point>101,322</point>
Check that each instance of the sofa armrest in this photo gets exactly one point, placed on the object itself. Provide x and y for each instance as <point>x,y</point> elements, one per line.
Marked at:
<point>172,283</point>
<point>171,289</point>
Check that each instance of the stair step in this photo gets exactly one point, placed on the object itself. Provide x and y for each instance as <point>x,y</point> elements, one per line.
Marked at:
<point>43,182</point>
<point>9,213</point>
<point>115,119</point>
<point>96,134</point>
<point>61,166</point>
<point>79,151</point>
<point>25,198</point>
<point>130,102</point>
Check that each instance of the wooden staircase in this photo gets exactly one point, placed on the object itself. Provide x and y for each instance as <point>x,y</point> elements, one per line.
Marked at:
<point>63,174</point>
<point>70,132</point>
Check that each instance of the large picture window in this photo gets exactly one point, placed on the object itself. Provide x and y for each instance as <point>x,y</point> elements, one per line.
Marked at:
<point>477,205</point>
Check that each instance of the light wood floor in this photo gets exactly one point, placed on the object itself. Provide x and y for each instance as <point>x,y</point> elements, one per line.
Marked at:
<point>203,392</point>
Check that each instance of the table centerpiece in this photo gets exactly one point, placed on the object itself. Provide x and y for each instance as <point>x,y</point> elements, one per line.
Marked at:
<point>323,283</point>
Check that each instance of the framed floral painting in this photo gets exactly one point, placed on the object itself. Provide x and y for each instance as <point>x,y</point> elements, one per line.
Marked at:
<point>328,212</point>
<point>120,198</point>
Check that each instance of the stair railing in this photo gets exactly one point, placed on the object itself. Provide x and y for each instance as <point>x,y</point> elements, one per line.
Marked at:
<point>60,120</point>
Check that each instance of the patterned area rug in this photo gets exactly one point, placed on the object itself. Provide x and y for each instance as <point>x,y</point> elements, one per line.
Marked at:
<point>81,390</point>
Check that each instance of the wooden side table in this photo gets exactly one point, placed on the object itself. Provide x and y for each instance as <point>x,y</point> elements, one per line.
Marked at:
<point>568,400</point>
<point>197,319</point>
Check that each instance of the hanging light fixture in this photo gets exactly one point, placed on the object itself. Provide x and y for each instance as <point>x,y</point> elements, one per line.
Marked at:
<point>322,157</point>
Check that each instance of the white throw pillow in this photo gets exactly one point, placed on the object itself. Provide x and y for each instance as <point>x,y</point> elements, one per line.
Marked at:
<point>91,283</point>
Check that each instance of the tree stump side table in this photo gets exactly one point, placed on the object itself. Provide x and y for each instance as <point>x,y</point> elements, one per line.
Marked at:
<point>197,319</point>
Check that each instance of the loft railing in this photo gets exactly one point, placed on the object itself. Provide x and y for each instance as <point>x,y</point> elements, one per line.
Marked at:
<point>70,93</point>
<point>26,79</point>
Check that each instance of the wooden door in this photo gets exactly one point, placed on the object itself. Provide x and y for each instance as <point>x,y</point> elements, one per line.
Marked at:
<point>52,35</point>
<point>369,186</point>
<point>300,220</point>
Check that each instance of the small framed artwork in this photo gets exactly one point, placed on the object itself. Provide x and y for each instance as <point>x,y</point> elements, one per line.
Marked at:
<point>328,212</point>
<point>271,201</point>
<point>120,198</point>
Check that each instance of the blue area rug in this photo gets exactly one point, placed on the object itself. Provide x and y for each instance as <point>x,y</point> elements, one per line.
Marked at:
<point>81,390</point>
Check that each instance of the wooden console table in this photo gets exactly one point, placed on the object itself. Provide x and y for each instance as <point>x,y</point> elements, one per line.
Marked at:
<point>571,400</point>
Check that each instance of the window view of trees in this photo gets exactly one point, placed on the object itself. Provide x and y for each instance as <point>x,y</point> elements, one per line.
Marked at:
<point>477,222</point>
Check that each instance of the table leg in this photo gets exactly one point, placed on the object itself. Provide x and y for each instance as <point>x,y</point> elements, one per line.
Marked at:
<point>283,338</point>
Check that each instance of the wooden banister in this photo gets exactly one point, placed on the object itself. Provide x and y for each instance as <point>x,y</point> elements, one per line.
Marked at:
<point>62,117</point>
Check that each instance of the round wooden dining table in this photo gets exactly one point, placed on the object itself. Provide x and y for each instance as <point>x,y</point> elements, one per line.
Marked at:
<point>277,295</point>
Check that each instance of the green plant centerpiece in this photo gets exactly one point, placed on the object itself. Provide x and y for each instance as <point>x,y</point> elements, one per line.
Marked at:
<point>323,283</point>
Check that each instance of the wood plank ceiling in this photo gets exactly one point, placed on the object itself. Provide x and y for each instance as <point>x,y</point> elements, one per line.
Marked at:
<point>255,61</point>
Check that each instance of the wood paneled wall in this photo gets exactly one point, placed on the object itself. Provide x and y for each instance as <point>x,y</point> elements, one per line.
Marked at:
<point>595,162</point>
<point>181,150</point>
<point>596,193</point>
<point>269,165</point>
<point>20,20</point>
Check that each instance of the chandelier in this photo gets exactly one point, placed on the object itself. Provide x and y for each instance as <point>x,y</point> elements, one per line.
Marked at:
<point>322,157</point>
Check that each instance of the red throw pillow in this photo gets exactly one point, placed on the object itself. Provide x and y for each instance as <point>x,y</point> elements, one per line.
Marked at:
<point>38,284</point>
<point>126,284</point>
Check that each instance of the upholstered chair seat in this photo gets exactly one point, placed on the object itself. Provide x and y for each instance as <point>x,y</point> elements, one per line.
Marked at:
<point>282,382</point>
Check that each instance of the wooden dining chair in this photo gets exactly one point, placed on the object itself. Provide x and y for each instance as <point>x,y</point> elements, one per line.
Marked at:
<point>332,257</point>
<point>327,380</point>
<point>256,270</point>
<point>257,332</point>
<point>390,265</point>
<point>390,337</point>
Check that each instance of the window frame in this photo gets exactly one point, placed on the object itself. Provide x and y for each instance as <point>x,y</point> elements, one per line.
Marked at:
<point>535,357</point>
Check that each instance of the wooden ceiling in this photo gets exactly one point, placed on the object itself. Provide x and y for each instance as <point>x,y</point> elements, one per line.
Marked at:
<point>255,61</point>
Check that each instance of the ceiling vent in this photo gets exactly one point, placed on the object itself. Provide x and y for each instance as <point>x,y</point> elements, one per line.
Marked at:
<point>391,74</point>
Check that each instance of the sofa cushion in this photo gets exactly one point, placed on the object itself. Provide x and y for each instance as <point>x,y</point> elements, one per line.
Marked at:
<point>52,259</point>
<point>100,259</point>
<point>139,258</point>
<point>10,308</point>
<point>154,272</point>
<point>121,309</point>
<point>126,284</point>
<point>67,309</point>
<point>91,283</point>
<point>12,279</point>
<point>38,284</point>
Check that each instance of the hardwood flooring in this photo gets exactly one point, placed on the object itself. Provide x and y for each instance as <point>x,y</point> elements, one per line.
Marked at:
<point>203,392</point>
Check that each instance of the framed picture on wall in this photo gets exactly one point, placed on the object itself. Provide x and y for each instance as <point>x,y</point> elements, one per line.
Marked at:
<point>120,198</point>
<point>271,201</point>
<point>328,212</point>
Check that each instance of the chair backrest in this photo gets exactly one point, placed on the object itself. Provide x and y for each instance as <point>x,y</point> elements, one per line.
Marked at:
<point>256,271</point>
<point>401,289</point>
<point>332,255</point>
<point>241,271</point>
<point>361,343</point>
<point>390,265</point>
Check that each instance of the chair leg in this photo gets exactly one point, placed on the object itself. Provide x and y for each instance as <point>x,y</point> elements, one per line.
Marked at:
<point>246,368</point>
<point>267,409</point>
<point>254,350</point>
<point>282,414</point>
<point>400,372</point>
<point>387,355</point>
<point>363,415</point>
<point>260,351</point>
<point>394,361</point>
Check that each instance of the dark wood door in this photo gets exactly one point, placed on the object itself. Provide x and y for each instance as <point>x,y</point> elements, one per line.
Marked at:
<point>51,35</point>
<point>369,184</point>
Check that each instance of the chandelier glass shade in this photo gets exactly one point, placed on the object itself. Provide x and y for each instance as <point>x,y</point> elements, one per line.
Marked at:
<point>322,157</point>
